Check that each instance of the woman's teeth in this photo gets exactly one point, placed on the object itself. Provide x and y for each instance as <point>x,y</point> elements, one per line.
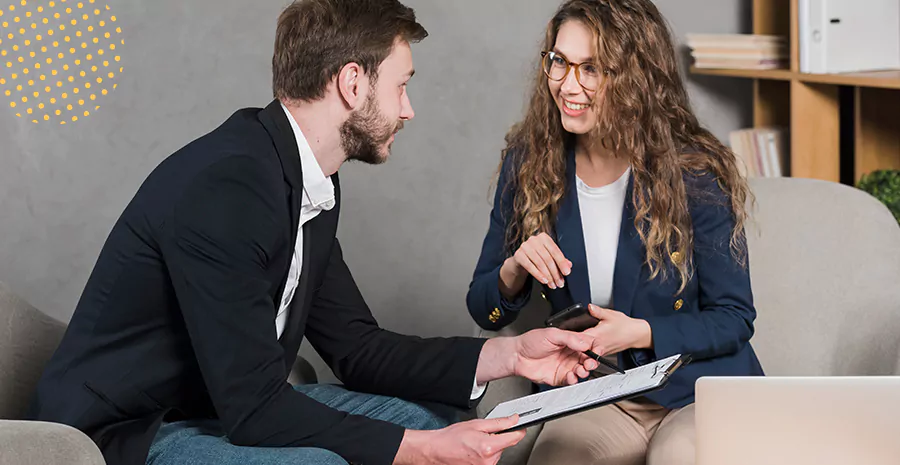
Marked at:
<point>575,106</point>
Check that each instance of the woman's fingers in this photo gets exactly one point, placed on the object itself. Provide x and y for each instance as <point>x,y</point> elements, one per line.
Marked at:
<point>543,259</point>
<point>550,264</point>
<point>564,265</point>
<point>525,262</point>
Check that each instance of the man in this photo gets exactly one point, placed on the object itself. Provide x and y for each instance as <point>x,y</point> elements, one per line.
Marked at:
<point>180,347</point>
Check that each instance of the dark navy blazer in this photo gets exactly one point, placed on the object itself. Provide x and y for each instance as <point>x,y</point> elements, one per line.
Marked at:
<point>711,320</point>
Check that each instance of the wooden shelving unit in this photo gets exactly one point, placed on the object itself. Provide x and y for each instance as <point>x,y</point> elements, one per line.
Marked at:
<point>841,125</point>
<point>889,79</point>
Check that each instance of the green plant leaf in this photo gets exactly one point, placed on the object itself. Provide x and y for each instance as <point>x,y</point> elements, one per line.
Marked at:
<point>884,185</point>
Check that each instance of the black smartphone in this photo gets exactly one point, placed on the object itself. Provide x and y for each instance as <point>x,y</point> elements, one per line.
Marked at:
<point>574,318</point>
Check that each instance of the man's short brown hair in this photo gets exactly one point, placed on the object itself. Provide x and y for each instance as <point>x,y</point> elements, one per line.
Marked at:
<point>316,38</point>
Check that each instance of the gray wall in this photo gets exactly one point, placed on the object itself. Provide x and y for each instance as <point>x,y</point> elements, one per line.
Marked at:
<point>411,229</point>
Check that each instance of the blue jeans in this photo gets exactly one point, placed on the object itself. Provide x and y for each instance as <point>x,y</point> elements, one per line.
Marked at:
<point>202,442</point>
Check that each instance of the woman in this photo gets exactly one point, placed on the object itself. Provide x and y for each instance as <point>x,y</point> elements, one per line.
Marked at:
<point>611,194</point>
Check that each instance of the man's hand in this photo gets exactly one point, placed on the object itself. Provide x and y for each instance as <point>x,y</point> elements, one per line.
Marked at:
<point>617,331</point>
<point>467,443</point>
<point>548,356</point>
<point>553,356</point>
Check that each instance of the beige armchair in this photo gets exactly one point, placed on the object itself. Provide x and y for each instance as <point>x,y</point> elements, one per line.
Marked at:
<point>825,268</point>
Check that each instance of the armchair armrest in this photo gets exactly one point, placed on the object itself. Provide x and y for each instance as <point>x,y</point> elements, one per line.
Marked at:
<point>303,372</point>
<point>44,443</point>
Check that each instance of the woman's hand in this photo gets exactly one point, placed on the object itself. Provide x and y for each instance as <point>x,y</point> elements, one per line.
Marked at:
<point>540,257</point>
<point>617,331</point>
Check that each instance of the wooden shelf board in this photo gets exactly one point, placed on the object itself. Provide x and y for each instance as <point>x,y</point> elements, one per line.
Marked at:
<point>876,79</point>
<point>889,79</point>
<point>774,74</point>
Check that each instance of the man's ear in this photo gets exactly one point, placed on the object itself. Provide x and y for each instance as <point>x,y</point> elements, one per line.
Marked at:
<point>351,82</point>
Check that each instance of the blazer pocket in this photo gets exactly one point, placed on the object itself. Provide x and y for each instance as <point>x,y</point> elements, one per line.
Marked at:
<point>123,399</point>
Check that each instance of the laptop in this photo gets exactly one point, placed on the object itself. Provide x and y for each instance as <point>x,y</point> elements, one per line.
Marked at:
<point>798,420</point>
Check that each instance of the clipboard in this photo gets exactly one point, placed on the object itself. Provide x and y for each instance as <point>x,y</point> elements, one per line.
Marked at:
<point>561,402</point>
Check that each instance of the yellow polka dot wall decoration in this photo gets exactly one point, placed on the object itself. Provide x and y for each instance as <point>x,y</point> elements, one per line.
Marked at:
<point>28,43</point>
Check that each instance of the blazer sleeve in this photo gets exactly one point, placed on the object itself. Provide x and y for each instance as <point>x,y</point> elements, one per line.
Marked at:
<point>726,314</point>
<point>484,298</point>
<point>367,358</point>
<point>226,226</point>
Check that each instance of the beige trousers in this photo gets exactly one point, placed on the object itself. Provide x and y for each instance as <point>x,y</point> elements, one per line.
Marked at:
<point>631,432</point>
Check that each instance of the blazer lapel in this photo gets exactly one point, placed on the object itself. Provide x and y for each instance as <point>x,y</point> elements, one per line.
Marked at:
<point>570,238</point>
<point>293,328</point>
<point>279,128</point>
<point>318,235</point>
<point>629,256</point>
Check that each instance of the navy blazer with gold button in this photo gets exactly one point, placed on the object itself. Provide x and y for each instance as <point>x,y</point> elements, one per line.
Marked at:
<point>711,319</point>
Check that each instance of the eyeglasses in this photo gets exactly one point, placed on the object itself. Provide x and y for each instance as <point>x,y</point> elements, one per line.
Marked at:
<point>556,66</point>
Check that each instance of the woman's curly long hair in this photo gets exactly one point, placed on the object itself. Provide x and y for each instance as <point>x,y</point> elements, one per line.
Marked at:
<point>644,114</point>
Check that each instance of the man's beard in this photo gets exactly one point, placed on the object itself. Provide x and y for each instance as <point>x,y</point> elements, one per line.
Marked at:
<point>365,133</point>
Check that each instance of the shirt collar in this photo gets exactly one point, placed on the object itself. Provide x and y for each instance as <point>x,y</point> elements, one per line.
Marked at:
<point>318,188</point>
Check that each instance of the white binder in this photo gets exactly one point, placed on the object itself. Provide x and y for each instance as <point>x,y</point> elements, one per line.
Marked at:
<point>841,36</point>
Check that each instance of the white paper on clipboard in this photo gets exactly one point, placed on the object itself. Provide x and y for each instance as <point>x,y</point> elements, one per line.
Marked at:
<point>543,405</point>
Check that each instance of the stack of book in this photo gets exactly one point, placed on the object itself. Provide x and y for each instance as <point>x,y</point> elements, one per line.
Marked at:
<point>761,152</point>
<point>739,51</point>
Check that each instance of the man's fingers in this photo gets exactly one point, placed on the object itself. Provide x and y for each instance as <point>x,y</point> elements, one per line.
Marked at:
<point>495,425</point>
<point>577,342</point>
<point>561,261</point>
<point>492,447</point>
<point>570,378</point>
<point>498,442</point>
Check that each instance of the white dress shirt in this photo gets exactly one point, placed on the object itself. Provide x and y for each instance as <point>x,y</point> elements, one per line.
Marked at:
<point>601,218</point>
<point>318,196</point>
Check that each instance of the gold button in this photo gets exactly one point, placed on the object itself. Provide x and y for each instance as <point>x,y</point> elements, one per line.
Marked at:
<point>494,316</point>
<point>678,304</point>
<point>676,257</point>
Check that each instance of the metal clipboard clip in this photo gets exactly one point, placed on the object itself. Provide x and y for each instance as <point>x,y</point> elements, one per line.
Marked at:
<point>683,360</point>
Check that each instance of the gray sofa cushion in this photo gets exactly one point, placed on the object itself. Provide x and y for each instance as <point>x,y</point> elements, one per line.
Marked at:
<point>41,443</point>
<point>27,340</point>
<point>825,271</point>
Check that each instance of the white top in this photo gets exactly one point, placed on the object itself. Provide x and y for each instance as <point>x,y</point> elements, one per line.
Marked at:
<point>318,195</point>
<point>601,219</point>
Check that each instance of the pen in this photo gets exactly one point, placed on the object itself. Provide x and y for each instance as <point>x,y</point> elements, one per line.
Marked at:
<point>602,360</point>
